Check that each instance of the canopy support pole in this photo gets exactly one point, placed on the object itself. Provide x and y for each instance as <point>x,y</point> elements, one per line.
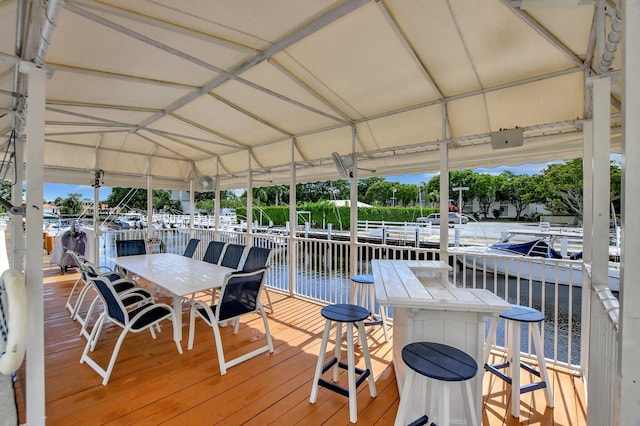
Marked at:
<point>353,208</point>
<point>630,294</point>
<point>35,378</point>
<point>444,188</point>
<point>293,220</point>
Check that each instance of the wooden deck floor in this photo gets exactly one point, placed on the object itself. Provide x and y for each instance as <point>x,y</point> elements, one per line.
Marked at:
<point>152,384</point>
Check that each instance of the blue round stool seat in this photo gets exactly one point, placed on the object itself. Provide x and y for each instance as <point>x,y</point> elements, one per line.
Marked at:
<point>442,363</point>
<point>439,361</point>
<point>344,312</point>
<point>522,314</point>
<point>362,279</point>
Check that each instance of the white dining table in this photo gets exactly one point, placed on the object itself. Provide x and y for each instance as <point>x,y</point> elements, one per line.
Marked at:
<point>180,275</point>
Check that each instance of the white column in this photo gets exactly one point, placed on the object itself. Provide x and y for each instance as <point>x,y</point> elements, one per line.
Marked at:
<point>601,178</point>
<point>587,225</point>
<point>192,205</point>
<point>17,244</point>
<point>293,220</point>
<point>35,383</point>
<point>149,204</point>
<point>444,188</point>
<point>249,202</point>
<point>95,254</point>
<point>216,205</point>
<point>353,207</point>
<point>630,294</point>
<point>444,200</point>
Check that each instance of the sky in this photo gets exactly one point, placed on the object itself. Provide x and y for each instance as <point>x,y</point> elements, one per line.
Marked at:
<point>524,169</point>
<point>55,190</point>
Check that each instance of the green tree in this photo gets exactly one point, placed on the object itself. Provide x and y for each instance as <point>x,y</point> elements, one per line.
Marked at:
<point>517,190</point>
<point>484,188</point>
<point>72,205</point>
<point>365,183</point>
<point>462,178</point>
<point>562,187</point>
<point>136,199</point>
<point>391,193</point>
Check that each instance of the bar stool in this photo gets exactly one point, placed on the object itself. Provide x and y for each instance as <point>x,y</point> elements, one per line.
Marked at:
<point>440,362</point>
<point>361,290</point>
<point>344,313</point>
<point>513,317</point>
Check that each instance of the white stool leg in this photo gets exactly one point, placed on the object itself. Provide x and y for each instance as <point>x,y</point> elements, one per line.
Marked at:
<point>323,348</point>
<point>355,290</point>
<point>443,411</point>
<point>470,411</point>
<point>491,338</point>
<point>337,350</point>
<point>381,312</point>
<point>351,362</point>
<point>514,351</point>
<point>401,416</point>
<point>542,364</point>
<point>367,359</point>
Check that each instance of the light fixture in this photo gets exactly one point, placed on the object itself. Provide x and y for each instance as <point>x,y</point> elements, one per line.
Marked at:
<point>98,178</point>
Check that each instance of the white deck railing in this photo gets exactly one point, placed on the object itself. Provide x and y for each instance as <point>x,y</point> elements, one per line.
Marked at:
<point>323,274</point>
<point>602,357</point>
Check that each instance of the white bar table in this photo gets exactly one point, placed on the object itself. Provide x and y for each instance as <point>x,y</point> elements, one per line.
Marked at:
<point>179,275</point>
<point>427,307</point>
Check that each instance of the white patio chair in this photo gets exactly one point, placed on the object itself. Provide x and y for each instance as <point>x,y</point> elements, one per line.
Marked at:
<point>214,252</point>
<point>127,290</point>
<point>192,245</point>
<point>139,319</point>
<point>232,255</point>
<point>239,296</point>
<point>258,258</point>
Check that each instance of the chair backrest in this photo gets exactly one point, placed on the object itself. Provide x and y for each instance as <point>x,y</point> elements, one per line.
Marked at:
<point>113,304</point>
<point>191,247</point>
<point>130,247</point>
<point>257,258</point>
<point>214,252</point>
<point>155,245</point>
<point>240,294</point>
<point>232,255</point>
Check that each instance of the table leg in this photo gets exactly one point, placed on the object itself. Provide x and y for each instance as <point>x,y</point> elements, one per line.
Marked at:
<point>177,307</point>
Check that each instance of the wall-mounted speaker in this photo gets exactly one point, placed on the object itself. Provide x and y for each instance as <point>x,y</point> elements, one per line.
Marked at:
<point>507,138</point>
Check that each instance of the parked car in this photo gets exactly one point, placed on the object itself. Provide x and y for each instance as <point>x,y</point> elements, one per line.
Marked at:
<point>434,219</point>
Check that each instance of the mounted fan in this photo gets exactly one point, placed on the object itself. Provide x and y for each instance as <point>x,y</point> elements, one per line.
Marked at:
<point>206,183</point>
<point>344,165</point>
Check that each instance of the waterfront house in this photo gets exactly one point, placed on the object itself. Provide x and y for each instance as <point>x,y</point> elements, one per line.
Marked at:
<point>244,94</point>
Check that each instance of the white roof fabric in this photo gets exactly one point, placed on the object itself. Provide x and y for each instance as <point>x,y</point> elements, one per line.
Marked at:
<point>178,90</point>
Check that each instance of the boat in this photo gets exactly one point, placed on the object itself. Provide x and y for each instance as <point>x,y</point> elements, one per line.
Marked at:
<point>544,255</point>
<point>124,221</point>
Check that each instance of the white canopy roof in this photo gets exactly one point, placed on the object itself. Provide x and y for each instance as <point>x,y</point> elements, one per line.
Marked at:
<point>178,90</point>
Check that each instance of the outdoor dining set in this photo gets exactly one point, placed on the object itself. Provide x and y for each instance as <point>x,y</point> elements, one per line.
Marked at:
<point>232,274</point>
<point>229,282</point>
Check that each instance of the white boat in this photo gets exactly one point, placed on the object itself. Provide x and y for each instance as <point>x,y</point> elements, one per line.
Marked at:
<point>538,255</point>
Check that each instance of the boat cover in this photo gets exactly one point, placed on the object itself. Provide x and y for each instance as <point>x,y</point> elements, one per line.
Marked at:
<point>74,239</point>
